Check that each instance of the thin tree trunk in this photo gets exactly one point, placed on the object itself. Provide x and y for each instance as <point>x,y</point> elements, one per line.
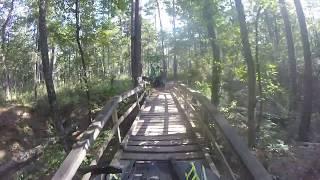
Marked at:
<point>52,59</point>
<point>136,58</point>
<point>35,80</point>
<point>4,52</point>
<point>292,61</point>
<point>43,44</point>
<point>175,64</point>
<point>261,97</point>
<point>69,65</point>
<point>109,61</point>
<point>272,30</point>
<point>164,62</point>
<point>132,38</point>
<point>84,66</point>
<point>307,92</point>
<point>216,62</point>
<point>251,74</point>
<point>103,61</point>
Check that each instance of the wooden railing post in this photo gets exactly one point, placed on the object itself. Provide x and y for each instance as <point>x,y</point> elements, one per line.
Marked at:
<point>115,121</point>
<point>185,105</point>
<point>137,101</point>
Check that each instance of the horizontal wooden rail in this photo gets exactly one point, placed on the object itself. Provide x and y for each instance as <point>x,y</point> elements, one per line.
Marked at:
<point>114,129</point>
<point>237,144</point>
<point>74,159</point>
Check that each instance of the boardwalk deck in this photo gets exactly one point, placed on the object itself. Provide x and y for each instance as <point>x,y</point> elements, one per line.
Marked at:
<point>175,134</point>
<point>160,143</point>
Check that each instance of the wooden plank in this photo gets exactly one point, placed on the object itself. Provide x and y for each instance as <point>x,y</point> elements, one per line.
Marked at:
<point>160,123</point>
<point>161,129</point>
<point>167,117</point>
<point>163,115</point>
<point>161,149</point>
<point>150,133</point>
<point>159,126</point>
<point>161,156</point>
<point>148,113</point>
<point>160,138</point>
<point>162,143</point>
<point>164,120</point>
<point>129,93</point>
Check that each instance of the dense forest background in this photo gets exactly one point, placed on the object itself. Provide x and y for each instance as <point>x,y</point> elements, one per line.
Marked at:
<point>258,61</point>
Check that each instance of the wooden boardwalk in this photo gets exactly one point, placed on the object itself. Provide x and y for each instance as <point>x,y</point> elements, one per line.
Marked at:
<point>175,134</point>
<point>160,143</point>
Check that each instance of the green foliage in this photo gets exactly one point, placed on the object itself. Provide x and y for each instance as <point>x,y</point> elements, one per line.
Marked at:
<point>52,157</point>
<point>203,87</point>
<point>271,137</point>
<point>270,81</point>
<point>241,73</point>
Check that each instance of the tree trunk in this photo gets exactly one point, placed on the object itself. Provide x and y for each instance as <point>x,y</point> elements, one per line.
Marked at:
<point>164,62</point>
<point>216,62</point>
<point>35,80</point>
<point>272,31</point>
<point>292,61</point>
<point>132,39</point>
<point>251,73</point>
<point>136,54</point>
<point>84,66</point>
<point>43,44</point>
<point>307,92</point>
<point>261,97</point>
<point>175,64</point>
<point>4,53</point>
<point>103,62</point>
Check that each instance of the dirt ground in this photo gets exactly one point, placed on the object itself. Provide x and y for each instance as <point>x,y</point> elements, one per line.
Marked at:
<point>20,129</point>
<point>302,161</point>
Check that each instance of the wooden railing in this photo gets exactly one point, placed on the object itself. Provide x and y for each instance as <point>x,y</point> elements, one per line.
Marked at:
<point>72,162</point>
<point>217,130</point>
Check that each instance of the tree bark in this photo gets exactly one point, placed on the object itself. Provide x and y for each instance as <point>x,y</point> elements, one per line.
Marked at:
<point>261,97</point>
<point>216,61</point>
<point>307,92</point>
<point>164,62</point>
<point>4,52</point>
<point>35,78</point>
<point>84,66</point>
<point>52,60</point>
<point>251,74</point>
<point>136,58</point>
<point>292,61</point>
<point>175,64</point>
<point>132,39</point>
<point>43,45</point>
